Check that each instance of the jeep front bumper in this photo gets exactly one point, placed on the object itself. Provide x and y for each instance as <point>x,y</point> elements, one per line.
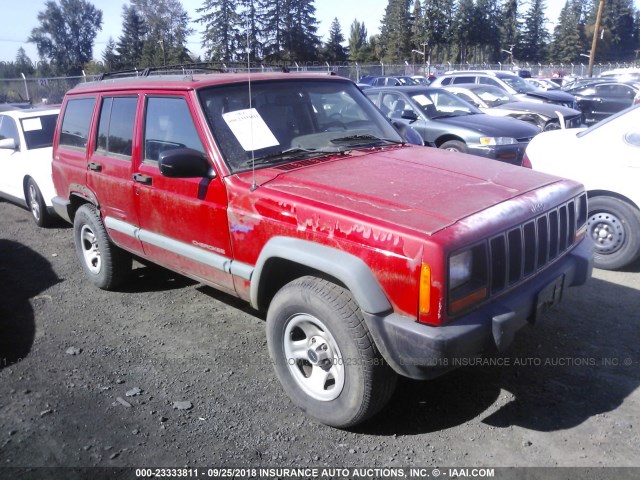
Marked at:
<point>421,351</point>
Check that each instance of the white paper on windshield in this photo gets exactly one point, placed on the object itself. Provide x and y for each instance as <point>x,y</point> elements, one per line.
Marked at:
<point>31,124</point>
<point>423,100</point>
<point>250,129</point>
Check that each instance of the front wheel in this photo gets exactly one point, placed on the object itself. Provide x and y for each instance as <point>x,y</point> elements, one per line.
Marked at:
<point>104,264</point>
<point>324,355</point>
<point>36,204</point>
<point>614,227</point>
<point>454,146</point>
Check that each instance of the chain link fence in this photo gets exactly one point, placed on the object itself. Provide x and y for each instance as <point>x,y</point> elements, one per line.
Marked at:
<point>38,91</point>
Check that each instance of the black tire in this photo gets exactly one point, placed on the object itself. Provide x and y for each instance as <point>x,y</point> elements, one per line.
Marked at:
<point>454,146</point>
<point>304,314</point>
<point>104,264</point>
<point>36,204</point>
<point>614,227</point>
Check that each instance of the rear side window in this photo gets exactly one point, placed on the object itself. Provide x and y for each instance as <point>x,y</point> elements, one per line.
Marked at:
<point>461,79</point>
<point>75,124</point>
<point>115,130</point>
<point>38,131</point>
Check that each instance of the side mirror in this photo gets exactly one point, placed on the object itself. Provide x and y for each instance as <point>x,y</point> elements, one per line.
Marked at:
<point>408,134</point>
<point>410,115</point>
<point>8,144</point>
<point>184,163</point>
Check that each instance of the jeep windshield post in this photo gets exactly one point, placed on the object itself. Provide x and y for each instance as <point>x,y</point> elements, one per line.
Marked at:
<point>371,257</point>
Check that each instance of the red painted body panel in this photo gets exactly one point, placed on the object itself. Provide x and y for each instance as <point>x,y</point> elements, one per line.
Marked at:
<point>394,207</point>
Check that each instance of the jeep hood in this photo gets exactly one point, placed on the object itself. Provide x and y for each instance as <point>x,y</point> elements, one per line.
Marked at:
<point>418,188</point>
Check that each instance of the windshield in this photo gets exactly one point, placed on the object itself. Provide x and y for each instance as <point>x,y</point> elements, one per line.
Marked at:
<point>291,119</point>
<point>493,96</point>
<point>38,131</point>
<point>441,104</point>
<point>518,84</point>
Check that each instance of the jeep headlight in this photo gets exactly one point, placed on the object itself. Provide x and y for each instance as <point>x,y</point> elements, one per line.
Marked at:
<point>468,278</point>
<point>488,141</point>
<point>460,269</point>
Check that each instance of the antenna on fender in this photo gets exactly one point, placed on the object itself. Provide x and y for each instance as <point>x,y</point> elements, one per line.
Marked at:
<point>254,185</point>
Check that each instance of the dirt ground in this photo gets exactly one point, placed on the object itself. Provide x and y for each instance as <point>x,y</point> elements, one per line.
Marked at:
<point>169,372</point>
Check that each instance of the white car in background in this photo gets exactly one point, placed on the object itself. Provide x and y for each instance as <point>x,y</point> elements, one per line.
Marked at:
<point>606,159</point>
<point>26,139</point>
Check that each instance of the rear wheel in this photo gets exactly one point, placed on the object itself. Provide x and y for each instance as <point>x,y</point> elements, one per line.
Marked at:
<point>454,146</point>
<point>36,204</point>
<point>614,227</point>
<point>104,264</point>
<point>324,355</point>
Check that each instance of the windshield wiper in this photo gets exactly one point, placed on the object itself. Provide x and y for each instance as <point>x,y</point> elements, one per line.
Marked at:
<point>364,137</point>
<point>288,154</point>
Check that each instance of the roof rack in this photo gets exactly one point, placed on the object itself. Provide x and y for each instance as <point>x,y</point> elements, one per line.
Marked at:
<point>186,69</point>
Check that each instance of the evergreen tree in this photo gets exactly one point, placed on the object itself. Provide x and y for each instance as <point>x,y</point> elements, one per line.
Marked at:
<point>617,42</point>
<point>333,51</point>
<point>395,31</point>
<point>418,32</point>
<point>223,29</point>
<point>358,45</point>
<point>110,58</point>
<point>302,39</point>
<point>66,34</point>
<point>250,31</point>
<point>167,25</point>
<point>509,27</point>
<point>488,29</point>
<point>465,31</point>
<point>534,35</point>
<point>272,20</point>
<point>438,33</point>
<point>569,42</point>
<point>23,63</point>
<point>131,41</point>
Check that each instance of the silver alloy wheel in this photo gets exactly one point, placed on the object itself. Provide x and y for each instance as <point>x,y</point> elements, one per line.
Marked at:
<point>90,250</point>
<point>607,232</point>
<point>313,357</point>
<point>33,201</point>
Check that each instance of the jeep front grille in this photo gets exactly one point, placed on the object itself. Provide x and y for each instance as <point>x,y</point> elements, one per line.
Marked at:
<point>519,252</point>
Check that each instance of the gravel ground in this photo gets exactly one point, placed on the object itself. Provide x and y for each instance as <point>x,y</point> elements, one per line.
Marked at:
<point>169,372</point>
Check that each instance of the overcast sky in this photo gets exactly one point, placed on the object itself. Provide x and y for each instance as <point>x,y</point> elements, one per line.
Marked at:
<point>19,22</point>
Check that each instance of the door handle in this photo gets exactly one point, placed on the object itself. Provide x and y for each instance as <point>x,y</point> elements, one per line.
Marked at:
<point>144,179</point>
<point>96,167</point>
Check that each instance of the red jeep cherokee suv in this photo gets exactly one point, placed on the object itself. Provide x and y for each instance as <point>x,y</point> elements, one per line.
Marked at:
<point>371,257</point>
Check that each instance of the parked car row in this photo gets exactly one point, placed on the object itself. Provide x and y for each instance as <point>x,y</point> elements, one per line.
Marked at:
<point>475,118</point>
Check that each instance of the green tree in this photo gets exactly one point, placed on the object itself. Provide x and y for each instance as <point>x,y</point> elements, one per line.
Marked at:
<point>465,31</point>
<point>618,37</point>
<point>395,31</point>
<point>487,23</point>
<point>23,62</point>
<point>289,30</point>
<point>223,28</point>
<point>534,35</point>
<point>358,45</point>
<point>333,51</point>
<point>66,34</point>
<point>167,30</point>
<point>110,57</point>
<point>509,27</point>
<point>437,25</point>
<point>568,41</point>
<point>131,41</point>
